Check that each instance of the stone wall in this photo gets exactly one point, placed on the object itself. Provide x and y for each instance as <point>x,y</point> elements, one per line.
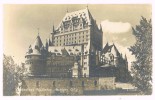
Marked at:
<point>65,86</point>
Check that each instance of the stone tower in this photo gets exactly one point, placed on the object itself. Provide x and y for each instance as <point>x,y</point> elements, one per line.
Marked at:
<point>35,58</point>
<point>79,28</point>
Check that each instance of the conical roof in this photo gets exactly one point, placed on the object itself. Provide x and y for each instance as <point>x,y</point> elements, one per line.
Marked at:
<point>38,42</point>
<point>36,47</point>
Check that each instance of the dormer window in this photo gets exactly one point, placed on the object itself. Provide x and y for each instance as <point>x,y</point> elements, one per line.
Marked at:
<point>58,54</point>
<point>80,15</point>
<point>71,53</point>
<point>55,50</point>
<point>36,47</point>
<point>76,50</point>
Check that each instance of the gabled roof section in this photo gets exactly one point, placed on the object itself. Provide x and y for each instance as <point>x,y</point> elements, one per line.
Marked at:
<point>106,48</point>
<point>112,49</point>
<point>84,14</point>
<point>115,51</point>
<point>64,52</point>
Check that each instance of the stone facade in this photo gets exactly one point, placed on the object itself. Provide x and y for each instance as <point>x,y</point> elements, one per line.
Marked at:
<point>75,40</point>
<point>65,86</point>
<point>73,59</point>
<point>74,49</point>
<point>79,28</point>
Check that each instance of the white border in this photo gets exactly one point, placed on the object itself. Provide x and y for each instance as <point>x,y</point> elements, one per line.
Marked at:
<point>70,2</point>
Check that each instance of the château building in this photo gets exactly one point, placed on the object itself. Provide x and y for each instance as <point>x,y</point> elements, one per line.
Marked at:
<point>74,49</point>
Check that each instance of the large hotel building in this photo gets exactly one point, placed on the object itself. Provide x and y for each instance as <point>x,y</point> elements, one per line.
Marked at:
<point>74,49</point>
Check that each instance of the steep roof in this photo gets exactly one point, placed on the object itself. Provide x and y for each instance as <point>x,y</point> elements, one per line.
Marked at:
<point>106,48</point>
<point>36,47</point>
<point>112,49</point>
<point>37,42</point>
<point>65,50</point>
<point>115,51</point>
<point>84,14</point>
<point>125,58</point>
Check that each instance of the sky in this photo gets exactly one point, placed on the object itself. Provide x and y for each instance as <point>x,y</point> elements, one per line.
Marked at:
<point>21,23</point>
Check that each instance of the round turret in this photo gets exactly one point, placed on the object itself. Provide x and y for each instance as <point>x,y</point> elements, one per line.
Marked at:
<point>35,60</point>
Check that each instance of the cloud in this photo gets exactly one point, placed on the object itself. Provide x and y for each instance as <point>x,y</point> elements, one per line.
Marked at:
<point>124,39</point>
<point>115,27</point>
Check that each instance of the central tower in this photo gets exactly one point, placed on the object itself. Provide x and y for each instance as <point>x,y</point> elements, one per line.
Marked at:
<point>79,29</point>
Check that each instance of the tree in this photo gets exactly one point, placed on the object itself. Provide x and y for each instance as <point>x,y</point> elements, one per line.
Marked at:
<point>8,76</point>
<point>12,74</point>
<point>141,69</point>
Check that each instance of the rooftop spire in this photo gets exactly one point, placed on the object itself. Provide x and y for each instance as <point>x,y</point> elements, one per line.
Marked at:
<point>53,29</point>
<point>38,31</point>
<point>113,42</point>
<point>87,6</point>
<point>125,57</point>
<point>100,27</point>
<point>67,10</point>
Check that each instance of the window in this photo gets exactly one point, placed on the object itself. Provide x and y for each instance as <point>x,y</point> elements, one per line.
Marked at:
<point>84,74</point>
<point>85,63</point>
<point>29,57</point>
<point>36,47</point>
<point>83,83</point>
<point>70,83</point>
<point>37,84</point>
<point>85,68</point>
<point>54,83</point>
<point>30,62</point>
<point>95,83</point>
